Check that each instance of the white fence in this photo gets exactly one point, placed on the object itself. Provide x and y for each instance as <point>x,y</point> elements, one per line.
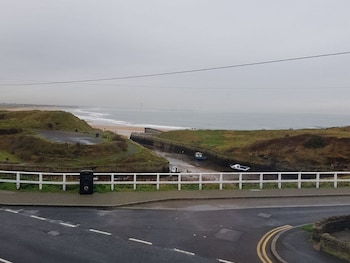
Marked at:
<point>251,180</point>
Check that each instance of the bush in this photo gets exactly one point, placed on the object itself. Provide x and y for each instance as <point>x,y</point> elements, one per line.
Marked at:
<point>315,142</point>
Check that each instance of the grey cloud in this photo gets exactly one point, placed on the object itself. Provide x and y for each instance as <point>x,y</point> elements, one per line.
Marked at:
<point>76,39</point>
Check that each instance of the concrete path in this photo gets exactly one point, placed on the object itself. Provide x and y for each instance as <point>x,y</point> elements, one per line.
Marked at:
<point>118,199</point>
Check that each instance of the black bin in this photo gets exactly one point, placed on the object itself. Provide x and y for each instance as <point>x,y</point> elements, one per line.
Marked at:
<point>86,185</point>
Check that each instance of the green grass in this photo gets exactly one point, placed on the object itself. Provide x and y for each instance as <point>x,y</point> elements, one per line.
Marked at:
<point>124,188</point>
<point>8,186</point>
<point>307,228</point>
<point>227,139</point>
<point>36,119</point>
<point>168,187</point>
<point>7,157</point>
<point>20,144</point>
<point>102,188</point>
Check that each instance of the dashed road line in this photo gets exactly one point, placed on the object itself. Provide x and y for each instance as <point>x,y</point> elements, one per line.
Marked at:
<point>38,217</point>
<point>100,232</point>
<point>184,252</point>
<point>4,261</point>
<point>67,224</point>
<point>140,241</point>
<point>224,261</point>
<point>11,211</point>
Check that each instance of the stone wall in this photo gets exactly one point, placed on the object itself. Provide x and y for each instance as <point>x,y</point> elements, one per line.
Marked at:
<point>323,234</point>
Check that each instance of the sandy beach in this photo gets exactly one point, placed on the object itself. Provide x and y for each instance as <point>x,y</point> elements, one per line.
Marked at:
<point>124,130</point>
<point>28,108</point>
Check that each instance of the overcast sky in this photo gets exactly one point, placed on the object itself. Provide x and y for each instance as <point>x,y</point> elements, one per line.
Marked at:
<point>50,40</point>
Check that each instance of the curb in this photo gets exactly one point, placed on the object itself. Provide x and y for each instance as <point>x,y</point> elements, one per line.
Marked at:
<point>274,243</point>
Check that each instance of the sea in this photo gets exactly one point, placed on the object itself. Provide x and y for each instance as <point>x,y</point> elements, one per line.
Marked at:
<point>192,119</point>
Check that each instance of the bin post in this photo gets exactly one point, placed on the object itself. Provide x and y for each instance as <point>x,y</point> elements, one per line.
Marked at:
<point>86,182</point>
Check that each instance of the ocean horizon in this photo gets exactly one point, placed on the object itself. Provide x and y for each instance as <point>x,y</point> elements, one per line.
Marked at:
<point>188,119</point>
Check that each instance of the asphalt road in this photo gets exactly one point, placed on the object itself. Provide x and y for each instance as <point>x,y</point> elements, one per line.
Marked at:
<point>47,234</point>
<point>28,237</point>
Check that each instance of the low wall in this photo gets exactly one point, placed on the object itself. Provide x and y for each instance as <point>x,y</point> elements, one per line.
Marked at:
<point>322,235</point>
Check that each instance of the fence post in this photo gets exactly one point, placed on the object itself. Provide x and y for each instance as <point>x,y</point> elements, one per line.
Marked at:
<point>112,182</point>
<point>220,179</point>
<point>18,180</point>
<point>40,181</point>
<point>299,180</point>
<point>64,180</point>
<point>240,181</point>
<point>134,181</point>
<point>317,180</point>
<point>200,181</point>
<point>335,180</point>
<point>179,182</point>
<point>158,179</point>
<point>279,180</point>
<point>261,180</point>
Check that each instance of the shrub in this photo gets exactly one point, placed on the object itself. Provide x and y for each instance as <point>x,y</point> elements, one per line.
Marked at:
<point>315,142</point>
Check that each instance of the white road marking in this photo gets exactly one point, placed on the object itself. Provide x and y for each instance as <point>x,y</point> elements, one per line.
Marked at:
<point>140,241</point>
<point>11,211</point>
<point>100,232</point>
<point>67,224</point>
<point>38,217</point>
<point>5,261</point>
<point>184,252</point>
<point>224,261</point>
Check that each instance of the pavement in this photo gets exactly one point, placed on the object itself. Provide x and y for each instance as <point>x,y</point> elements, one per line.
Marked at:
<point>120,199</point>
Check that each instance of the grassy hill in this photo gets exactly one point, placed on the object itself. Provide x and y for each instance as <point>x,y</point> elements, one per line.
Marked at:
<point>308,149</point>
<point>36,119</point>
<point>22,146</point>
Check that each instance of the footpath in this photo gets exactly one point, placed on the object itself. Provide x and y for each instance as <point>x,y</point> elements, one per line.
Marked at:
<point>119,199</point>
